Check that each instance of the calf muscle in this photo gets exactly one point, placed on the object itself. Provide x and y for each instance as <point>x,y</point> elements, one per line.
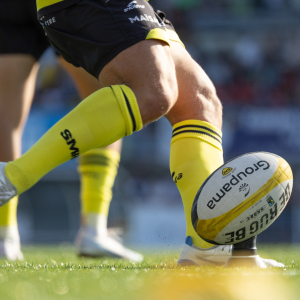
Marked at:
<point>197,98</point>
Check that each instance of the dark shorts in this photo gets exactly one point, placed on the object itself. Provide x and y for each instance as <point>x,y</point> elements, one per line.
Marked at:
<point>90,33</point>
<point>20,32</point>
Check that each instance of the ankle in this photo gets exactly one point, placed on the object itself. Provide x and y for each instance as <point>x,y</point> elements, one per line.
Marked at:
<point>94,223</point>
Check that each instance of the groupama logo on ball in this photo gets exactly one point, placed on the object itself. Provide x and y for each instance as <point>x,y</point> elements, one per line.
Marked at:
<point>261,165</point>
<point>247,200</point>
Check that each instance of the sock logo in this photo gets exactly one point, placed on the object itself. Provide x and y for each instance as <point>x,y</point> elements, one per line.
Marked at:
<point>176,178</point>
<point>66,134</point>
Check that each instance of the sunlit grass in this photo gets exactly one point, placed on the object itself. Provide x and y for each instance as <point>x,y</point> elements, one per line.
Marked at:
<point>57,273</point>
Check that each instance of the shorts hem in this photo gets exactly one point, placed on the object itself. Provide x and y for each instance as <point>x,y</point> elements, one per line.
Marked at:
<point>36,55</point>
<point>55,7</point>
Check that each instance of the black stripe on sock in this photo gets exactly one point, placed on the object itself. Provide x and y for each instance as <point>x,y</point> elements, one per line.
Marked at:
<point>94,159</point>
<point>130,111</point>
<point>197,131</point>
<point>197,126</point>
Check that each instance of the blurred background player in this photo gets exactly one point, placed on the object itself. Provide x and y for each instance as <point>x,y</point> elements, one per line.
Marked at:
<point>22,42</point>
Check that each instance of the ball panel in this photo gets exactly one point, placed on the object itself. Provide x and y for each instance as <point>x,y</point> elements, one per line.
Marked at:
<point>257,218</point>
<point>248,173</point>
<point>209,229</point>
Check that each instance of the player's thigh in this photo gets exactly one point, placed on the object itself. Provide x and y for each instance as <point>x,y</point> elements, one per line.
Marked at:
<point>148,69</point>
<point>197,95</point>
<point>113,44</point>
<point>17,82</point>
<point>22,42</point>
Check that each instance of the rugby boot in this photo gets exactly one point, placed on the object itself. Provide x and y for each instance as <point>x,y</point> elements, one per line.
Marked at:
<point>194,256</point>
<point>89,243</point>
<point>10,247</point>
<point>215,256</point>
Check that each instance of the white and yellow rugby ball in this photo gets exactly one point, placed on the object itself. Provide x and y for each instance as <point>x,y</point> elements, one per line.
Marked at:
<point>242,198</point>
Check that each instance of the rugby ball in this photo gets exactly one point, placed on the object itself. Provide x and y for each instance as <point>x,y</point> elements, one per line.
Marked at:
<point>242,198</point>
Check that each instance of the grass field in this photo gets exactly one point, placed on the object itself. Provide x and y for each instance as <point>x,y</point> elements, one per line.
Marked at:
<point>57,273</point>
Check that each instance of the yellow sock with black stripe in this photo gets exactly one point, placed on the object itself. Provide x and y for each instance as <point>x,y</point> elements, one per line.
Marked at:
<point>8,213</point>
<point>196,151</point>
<point>98,169</point>
<point>101,119</point>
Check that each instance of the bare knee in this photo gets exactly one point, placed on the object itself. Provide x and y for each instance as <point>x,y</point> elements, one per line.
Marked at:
<point>151,76</point>
<point>157,100</point>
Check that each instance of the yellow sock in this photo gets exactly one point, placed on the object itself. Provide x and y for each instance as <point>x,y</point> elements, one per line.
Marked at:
<point>8,213</point>
<point>98,169</point>
<point>196,151</point>
<point>101,119</point>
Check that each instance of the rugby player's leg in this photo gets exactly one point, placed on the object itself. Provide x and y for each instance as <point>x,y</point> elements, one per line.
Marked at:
<point>197,120</point>
<point>17,82</point>
<point>192,103</point>
<point>196,150</point>
<point>98,169</point>
<point>144,89</point>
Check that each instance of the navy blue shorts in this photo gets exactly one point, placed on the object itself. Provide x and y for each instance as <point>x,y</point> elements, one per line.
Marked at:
<point>90,33</point>
<point>20,32</point>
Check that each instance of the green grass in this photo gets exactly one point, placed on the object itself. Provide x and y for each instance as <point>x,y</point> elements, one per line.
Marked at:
<point>57,273</point>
